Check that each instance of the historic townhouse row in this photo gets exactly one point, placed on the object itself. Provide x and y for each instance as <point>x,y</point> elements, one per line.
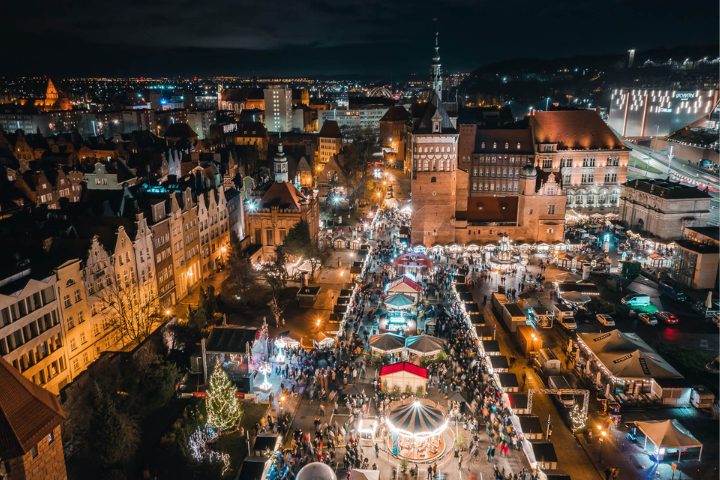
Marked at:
<point>54,324</point>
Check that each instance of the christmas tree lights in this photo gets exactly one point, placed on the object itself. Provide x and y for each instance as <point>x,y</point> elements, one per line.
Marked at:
<point>577,418</point>
<point>223,407</point>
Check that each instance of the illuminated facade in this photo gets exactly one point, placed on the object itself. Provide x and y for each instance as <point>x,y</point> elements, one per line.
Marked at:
<point>278,108</point>
<point>656,112</point>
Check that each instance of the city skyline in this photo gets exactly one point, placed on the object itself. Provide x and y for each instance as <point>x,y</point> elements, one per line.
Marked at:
<point>355,38</point>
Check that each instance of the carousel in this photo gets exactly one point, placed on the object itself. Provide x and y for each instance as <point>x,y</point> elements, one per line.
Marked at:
<point>416,429</point>
<point>503,259</point>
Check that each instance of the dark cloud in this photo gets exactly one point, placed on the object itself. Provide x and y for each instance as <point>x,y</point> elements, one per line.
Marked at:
<point>331,36</point>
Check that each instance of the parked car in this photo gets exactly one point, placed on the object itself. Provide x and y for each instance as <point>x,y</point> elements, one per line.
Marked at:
<point>648,319</point>
<point>605,320</point>
<point>668,317</point>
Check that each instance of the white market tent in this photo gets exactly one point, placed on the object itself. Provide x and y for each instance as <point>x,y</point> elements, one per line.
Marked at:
<point>385,343</point>
<point>400,301</point>
<point>356,474</point>
<point>424,345</point>
<point>626,360</point>
<point>403,285</point>
<point>668,435</point>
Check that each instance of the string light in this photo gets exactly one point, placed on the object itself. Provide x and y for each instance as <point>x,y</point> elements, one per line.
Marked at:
<point>223,407</point>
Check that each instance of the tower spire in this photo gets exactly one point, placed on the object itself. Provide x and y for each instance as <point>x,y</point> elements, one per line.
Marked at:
<point>436,69</point>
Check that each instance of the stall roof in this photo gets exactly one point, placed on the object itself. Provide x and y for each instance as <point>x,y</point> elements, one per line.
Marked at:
<point>518,400</point>
<point>230,339</point>
<point>462,287</point>
<point>499,361</point>
<point>556,475</point>
<point>253,468</point>
<point>404,367</point>
<point>472,307</point>
<point>466,297</point>
<point>508,380</point>
<point>346,292</point>
<point>530,423</point>
<point>491,346</point>
<point>514,310</point>
<point>266,441</point>
<point>586,288</point>
<point>544,451</point>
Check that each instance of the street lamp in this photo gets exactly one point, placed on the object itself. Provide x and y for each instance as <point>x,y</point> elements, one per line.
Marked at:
<point>601,439</point>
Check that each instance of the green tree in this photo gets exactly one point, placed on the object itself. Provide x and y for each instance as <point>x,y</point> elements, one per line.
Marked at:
<point>208,301</point>
<point>112,436</point>
<point>157,383</point>
<point>298,242</point>
<point>242,277</point>
<point>223,407</point>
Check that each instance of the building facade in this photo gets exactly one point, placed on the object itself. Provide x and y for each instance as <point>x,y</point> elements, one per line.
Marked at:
<point>696,258</point>
<point>590,158</point>
<point>278,109</point>
<point>330,142</point>
<point>31,337</point>
<point>663,208</point>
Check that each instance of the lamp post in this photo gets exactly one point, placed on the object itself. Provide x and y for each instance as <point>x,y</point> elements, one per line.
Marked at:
<point>601,439</point>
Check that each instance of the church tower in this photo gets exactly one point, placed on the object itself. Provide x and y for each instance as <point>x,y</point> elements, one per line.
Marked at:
<point>280,165</point>
<point>436,70</point>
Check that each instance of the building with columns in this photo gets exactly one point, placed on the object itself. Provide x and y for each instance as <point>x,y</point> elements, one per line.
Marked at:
<point>662,207</point>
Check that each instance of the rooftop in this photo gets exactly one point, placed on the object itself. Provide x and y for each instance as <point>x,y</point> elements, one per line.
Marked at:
<point>666,189</point>
<point>574,130</point>
<point>28,412</point>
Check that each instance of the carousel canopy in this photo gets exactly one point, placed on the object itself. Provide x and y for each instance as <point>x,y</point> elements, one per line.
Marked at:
<point>387,342</point>
<point>316,471</point>
<point>403,285</point>
<point>404,367</point>
<point>668,434</point>
<point>424,344</point>
<point>417,418</point>
<point>399,300</point>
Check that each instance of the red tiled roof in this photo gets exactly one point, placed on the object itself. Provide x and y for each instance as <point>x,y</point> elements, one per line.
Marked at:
<point>283,195</point>
<point>574,129</point>
<point>28,412</point>
<point>404,366</point>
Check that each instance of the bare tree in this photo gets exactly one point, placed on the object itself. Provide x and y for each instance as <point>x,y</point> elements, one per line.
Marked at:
<point>276,309</point>
<point>132,311</point>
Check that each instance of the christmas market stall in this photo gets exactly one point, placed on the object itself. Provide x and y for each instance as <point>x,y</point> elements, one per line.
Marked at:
<point>387,343</point>
<point>670,440</point>
<point>424,345</point>
<point>404,377</point>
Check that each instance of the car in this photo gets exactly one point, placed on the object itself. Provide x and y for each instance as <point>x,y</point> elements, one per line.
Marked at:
<point>648,319</point>
<point>605,320</point>
<point>668,317</point>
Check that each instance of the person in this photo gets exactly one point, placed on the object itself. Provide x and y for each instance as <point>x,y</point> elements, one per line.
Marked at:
<point>377,450</point>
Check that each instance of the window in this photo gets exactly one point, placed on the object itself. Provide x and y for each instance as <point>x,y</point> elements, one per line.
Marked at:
<point>589,162</point>
<point>34,450</point>
<point>83,341</point>
<point>433,179</point>
<point>70,323</point>
<point>613,161</point>
<point>610,177</point>
<point>77,296</point>
<point>550,230</point>
<point>588,177</point>
<point>551,209</point>
<point>269,240</point>
<point>51,438</point>
<point>547,163</point>
<point>66,300</point>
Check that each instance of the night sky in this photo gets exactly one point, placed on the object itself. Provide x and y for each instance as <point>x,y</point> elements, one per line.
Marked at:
<point>384,38</point>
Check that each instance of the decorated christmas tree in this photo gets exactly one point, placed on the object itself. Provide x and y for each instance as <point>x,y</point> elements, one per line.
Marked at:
<point>223,407</point>
<point>577,418</point>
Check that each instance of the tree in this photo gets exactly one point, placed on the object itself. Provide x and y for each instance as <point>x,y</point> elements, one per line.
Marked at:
<point>208,301</point>
<point>275,272</point>
<point>577,418</point>
<point>157,378</point>
<point>223,407</point>
<point>298,242</point>
<point>242,277</point>
<point>276,309</point>
<point>112,437</point>
<point>132,311</point>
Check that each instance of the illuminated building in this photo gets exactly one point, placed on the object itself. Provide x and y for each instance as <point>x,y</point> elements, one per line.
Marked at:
<point>329,142</point>
<point>590,158</point>
<point>394,127</point>
<point>650,112</point>
<point>695,264</point>
<point>278,109</point>
<point>663,208</point>
<point>354,118</point>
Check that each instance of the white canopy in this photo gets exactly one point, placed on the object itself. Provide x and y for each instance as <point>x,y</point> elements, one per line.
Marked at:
<point>668,434</point>
<point>356,474</point>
